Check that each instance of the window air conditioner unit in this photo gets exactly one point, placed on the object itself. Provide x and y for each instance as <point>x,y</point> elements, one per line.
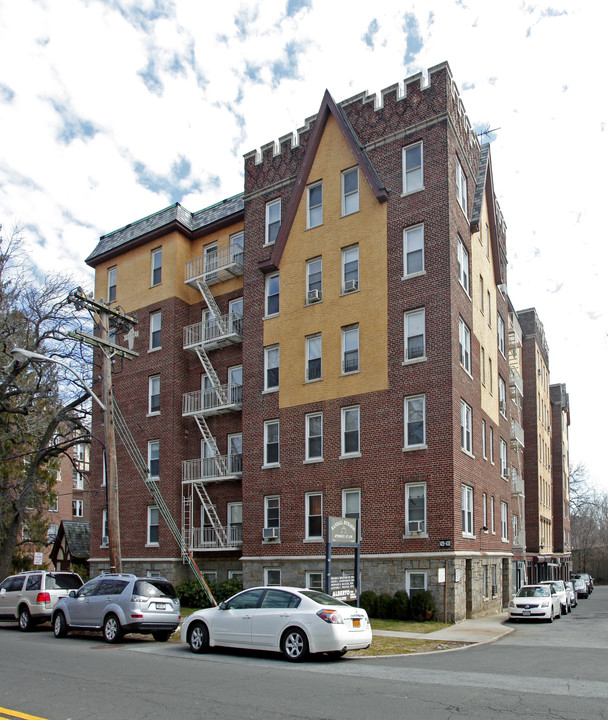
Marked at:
<point>313,296</point>
<point>271,533</point>
<point>105,540</point>
<point>416,526</point>
<point>351,285</point>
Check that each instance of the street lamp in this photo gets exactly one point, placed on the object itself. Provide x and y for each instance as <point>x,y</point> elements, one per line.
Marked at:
<point>22,355</point>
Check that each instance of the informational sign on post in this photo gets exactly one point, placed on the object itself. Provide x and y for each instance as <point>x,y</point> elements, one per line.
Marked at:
<point>38,558</point>
<point>342,532</point>
<point>343,587</point>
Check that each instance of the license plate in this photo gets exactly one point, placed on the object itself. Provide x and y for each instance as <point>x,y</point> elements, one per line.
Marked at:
<point>356,622</point>
<point>526,612</point>
<point>161,606</point>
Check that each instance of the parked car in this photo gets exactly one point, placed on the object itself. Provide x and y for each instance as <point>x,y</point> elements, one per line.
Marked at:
<point>119,603</point>
<point>561,591</point>
<point>581,589</point>
<point>535,601</point>
<point>293,621</point>
<point>588,580</point>
<point>29,597</point>
<point>571,594</point>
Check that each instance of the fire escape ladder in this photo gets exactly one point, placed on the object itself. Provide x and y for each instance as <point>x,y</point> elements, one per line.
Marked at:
<point>219,460</point>
<point>209,507</point>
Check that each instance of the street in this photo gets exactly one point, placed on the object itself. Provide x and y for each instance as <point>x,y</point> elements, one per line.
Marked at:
<point>539,671</point>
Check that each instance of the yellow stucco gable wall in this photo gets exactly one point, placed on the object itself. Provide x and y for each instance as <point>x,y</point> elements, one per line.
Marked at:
<point>367,307</point>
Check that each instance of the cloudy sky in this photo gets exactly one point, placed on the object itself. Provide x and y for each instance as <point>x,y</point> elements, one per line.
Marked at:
<point>113,109</point>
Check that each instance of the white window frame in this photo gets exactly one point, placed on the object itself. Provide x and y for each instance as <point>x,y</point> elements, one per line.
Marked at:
<point>271,362</point>
<point>77,480</point>
<point>467,511</point>
<point>267,426</point>
<point>504,521</point>
<point>350,198</point>
<point>466,427</point>
<point>420,528</point>
<point>156,324</point>
<point>491,445</point>
<point>500,332</point>
<point>235,466</point>
<point>502,396</point>
<point>464,277</point>
<point>268,295</point>
<point>413,242</point>
<point>152,509</point>
<point>272,577</point>
<point>314,353</point>
<point>77,508</point>
<point>210,260</point>
<point>461,186</point>
<point>273,521</point>
<point>492,516</point>
<point>411,404</point>
<point>272,224</point>
<point>347,511</point>
<point>309,516</point>
<point>314,213</point>
<point>485,510</point>
<point>411,321</point>
<point>311,286</point>
<point>319,580</point>
<point>307,452</point>
<point>409,574</point>
<point>483,441</point>
<point>153,449</point>
<point>156,264</point>
<point>152,381</point>
<point>413,174</point>
<point>231,522</point>
<point>464,344</point>
<point>112,281</point>
<point>235,308</point>
<point>104,527</point>
<point>503,459</point>
<point>350,346</point>
<point>353,282</point>
<point>345,413</point>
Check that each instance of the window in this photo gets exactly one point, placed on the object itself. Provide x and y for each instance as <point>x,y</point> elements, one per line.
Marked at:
<point>412,168</point>
<point>271,367</point>
<point>350,191</point>
<point>351,507</point>
<point>482,365</point>
<point>155,327</point>
<point>350,269</point>
<point>235,384</point>
<point>464,339</point>
<point>236,248</point>
<point>271,577</point>
<point>235,522</point>
<point>156,267</point>
<point>314,196</point>
<point>481,295</point>
<point>235,453</point>
<point>271,442</point>
<point>463,266</point>
<point>104,527</point>
<point>461,186</point>
<point>500,331</point>
<point>54,503</point>
<point>467,510</point>
<point>504,523</point>
<point>350,431</point>
<point>153,457</point>
<point>112,272</point>
<point>415,581</point>
<point>152,538</point>
<point>492,445</point>
<point>503,459</point>
<point>51,533</point>
<point>313,357</point>
<point>414,333</point>
<point>415,508</point>
<point>154,394</point>
<point>492,523</point>
<point>415,421</point>
<point>314,436</point>
<point>272,294</point>
<point>235,308</point>
<point>485,512</point>
<point>314,580</point>
<point>314,281</point>
<point>350,349</point>
<point>489,308</point>
<point>272,511</point>
<point>210,261</point>
<point>314,515</point>
<point>483,441</point>
<point>490,376</point>
<point>77,480</point>
<point>413,250</point>
<point>502,396</point>
<point>466,427</point>
<point>77,508</point>
<point>273,221</point>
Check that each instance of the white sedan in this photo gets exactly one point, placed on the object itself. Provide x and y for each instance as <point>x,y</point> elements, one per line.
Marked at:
<point>294,621</point>
<point>535,601</point>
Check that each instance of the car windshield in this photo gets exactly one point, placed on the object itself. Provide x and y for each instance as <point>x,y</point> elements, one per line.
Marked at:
<point>154,588</point>
<point>533,592</point>
<point>322,598</point>
<point>63,582</point>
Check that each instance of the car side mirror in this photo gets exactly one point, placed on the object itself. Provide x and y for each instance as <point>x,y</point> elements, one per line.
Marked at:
<point>3,592</point>
<point>72,593</point>
<point>222,606</point>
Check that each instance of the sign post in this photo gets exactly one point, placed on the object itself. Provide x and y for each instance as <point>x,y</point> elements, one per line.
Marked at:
<point>342,532</point>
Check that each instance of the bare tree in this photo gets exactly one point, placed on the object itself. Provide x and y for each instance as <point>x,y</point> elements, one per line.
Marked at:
<point>43,408</point>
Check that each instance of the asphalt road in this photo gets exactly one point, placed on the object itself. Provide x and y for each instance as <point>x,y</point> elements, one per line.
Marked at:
<point>557,671</point>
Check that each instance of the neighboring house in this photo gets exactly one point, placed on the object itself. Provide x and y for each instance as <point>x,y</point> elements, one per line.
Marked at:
<point>70,550</point>
<point>335,341</point>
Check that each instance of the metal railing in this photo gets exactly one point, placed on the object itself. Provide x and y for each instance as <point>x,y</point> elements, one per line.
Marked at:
<point>212,401</point>
<point>221,467</point>
<point>227,262</point>
<point>214,332</point>
<point>517,433</point>
<point>205,538</point>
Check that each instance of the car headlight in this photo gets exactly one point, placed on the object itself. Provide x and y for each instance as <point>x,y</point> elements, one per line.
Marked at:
<point>545,604</point>
<point>512,604</point>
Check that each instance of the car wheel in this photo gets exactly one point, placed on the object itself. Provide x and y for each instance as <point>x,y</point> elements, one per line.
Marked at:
<point>25,620</point>
<point>294,645</point>
<point>162,635</point>
<point>112,632</point>
<point>60,626</point>
<point>198,638</point>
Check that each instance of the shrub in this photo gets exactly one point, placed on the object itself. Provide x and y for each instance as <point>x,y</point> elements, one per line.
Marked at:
<point>192,595</point>
<point>385,606</point>
<point>401,606</point>
<point>369,602</point>
<point>422,606</point>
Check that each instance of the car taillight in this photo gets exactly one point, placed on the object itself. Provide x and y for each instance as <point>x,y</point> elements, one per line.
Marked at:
<point>331,617</point>
<point>139,598</point>
<point>43,597</point>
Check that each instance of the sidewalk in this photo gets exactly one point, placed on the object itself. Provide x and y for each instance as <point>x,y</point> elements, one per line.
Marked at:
<point>479,631</point>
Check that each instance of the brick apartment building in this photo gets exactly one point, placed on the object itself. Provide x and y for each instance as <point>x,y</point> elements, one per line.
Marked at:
<point>337,340</point>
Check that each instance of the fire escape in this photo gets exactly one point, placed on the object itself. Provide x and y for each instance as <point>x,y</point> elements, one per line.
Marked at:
<point>214,332</point>
<point>516,388</point>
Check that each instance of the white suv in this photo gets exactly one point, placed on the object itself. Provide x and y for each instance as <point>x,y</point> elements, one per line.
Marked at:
<point>29,597</point>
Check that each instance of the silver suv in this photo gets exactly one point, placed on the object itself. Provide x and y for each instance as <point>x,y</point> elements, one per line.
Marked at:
<point>119,603</point>
<point>29,597</point>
